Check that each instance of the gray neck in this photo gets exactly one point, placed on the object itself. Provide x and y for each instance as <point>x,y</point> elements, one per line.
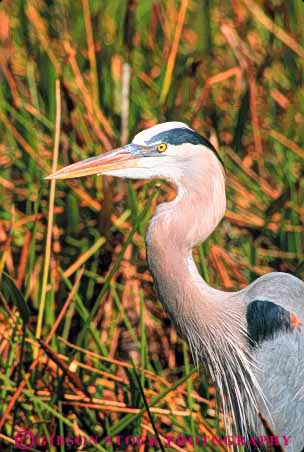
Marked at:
<point>176,228</point>
<point>212,321</point>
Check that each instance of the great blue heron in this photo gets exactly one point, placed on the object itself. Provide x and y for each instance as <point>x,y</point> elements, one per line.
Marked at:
<point>249,340</point>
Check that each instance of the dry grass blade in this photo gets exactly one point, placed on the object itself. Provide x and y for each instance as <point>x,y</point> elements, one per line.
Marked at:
<point>117,409</point>
<point>274,28</point>
<point>288,143</point>
<point>40,27</point>
<point>84,257</point>
<point>50,216</point>
<point>72,376</point>
<point>174,49</point>
<point>92,108</point>
<point>246,62</point>
<point>91,51</point>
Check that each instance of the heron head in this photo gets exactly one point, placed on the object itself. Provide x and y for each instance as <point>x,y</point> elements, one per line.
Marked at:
<point>166,150</point>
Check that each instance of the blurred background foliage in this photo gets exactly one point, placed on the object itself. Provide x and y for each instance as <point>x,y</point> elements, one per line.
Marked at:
<point>233,70</point>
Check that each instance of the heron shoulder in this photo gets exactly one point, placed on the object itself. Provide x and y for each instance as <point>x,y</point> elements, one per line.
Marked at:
<point>281,288</point>
<point>266,319</point>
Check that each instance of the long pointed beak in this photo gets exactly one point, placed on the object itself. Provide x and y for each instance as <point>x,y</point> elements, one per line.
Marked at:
<point>124,157</point>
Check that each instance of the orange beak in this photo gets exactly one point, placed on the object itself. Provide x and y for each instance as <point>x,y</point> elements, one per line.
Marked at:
<point>120,158</point>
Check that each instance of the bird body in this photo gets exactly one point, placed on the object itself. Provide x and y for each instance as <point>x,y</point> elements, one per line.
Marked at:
<point>249,340</point>
<point>280,359</point>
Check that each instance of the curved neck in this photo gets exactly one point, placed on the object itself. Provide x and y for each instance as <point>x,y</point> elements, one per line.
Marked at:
<point>187,221</point>
<point>212,321</point>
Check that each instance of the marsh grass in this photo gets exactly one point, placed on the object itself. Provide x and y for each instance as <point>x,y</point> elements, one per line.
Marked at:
<point>109,361</point>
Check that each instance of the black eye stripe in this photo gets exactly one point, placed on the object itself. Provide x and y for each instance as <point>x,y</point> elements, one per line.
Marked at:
<point>181,136</point>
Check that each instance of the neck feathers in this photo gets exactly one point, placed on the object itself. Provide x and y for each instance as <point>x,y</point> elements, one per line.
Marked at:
<point>180,225</point>
<point>199,206</point>
<point>212,321</point>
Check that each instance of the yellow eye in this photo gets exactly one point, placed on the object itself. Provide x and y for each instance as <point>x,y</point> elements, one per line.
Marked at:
<point>161,147</point>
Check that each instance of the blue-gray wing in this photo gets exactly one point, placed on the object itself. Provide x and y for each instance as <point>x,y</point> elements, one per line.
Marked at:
<point>275,311</point>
